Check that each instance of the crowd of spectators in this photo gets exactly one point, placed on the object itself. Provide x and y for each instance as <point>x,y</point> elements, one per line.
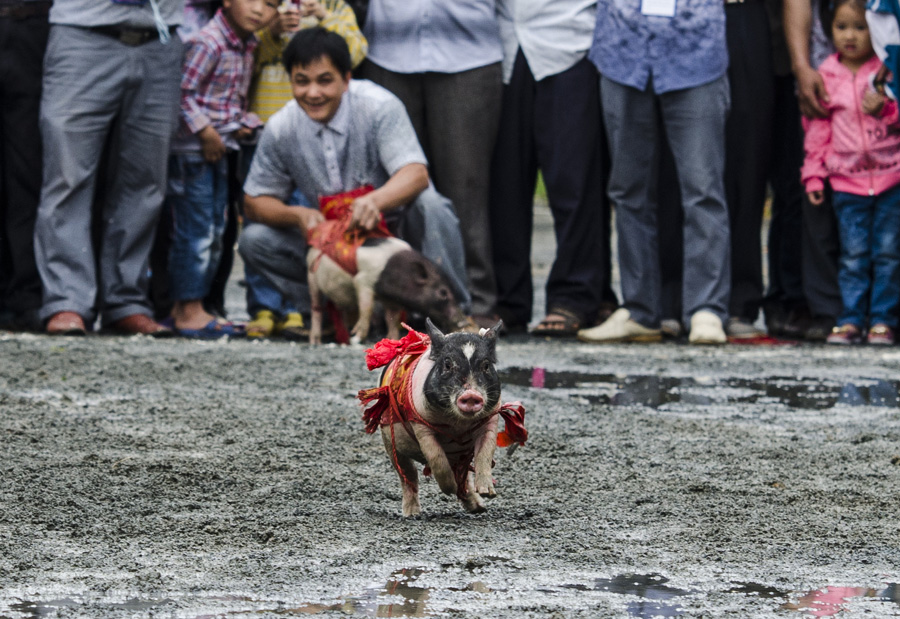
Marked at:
<point>142,141</point>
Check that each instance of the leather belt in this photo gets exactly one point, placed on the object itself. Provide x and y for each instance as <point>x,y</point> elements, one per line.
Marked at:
<point>24,10</point>
<point>130,36</point>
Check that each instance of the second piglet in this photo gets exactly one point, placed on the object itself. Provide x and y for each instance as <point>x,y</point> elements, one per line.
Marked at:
<point>439,404</point>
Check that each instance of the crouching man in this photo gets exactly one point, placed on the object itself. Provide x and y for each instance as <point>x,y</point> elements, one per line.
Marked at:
<point>341,136</point>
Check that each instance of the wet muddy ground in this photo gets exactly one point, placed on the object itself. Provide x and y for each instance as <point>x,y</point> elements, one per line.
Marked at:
<point>180,479</point>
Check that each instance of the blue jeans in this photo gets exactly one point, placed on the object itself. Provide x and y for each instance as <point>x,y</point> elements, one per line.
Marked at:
<point>869,272</point>
<point>198,193</point>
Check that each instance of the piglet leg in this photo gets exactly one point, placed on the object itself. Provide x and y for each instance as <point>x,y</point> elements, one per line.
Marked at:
<point>436,459</point>
<point>365,296</point>
<point>409,480</point>
<point>484,460</point>
<point>315,296</point>
<point>473,502</point>
<point>392,319</point>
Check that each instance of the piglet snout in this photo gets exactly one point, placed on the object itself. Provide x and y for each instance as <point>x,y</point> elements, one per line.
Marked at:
<point>470,401</point>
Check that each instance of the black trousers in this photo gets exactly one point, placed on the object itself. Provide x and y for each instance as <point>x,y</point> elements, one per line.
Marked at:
<point>22,45</point>
<point>554,125</point>
<point>786,226</point>
<point>748,149</point>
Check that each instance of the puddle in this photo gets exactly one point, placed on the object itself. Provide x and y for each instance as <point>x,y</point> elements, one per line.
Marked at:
<point>657,599</point>
<point>649,595</point>
<point>656,391</point>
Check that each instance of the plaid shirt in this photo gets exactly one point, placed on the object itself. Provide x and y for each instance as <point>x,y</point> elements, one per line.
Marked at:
<point>218,66</point>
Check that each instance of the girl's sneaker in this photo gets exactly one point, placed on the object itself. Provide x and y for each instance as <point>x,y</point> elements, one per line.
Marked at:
<point>881,335</point>
<point>845,335</point>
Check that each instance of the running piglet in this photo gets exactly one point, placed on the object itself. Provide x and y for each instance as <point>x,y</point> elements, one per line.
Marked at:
<point>438,404</point>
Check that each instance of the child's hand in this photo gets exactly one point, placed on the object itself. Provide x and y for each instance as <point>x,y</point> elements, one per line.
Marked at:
<point>816,197</point>
<point>313,7</point>
<point>211,144</point>
<point>872,103</point>
<point>244,133</point>
<point>288,20</point>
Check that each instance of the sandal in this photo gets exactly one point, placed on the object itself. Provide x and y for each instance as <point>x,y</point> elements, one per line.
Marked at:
<point>213,330</point>
<point>559,322</point>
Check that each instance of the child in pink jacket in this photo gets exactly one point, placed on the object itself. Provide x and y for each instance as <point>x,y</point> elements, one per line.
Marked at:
<point>857,148</point>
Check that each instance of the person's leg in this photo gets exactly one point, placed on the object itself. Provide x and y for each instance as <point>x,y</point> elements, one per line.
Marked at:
<point>747,151</point>
<point>513,178</point>
<point>84,79</point>
<point>695,126</point>
<point>440,240</point>
<point>279,255</point>
<point>785,298</point>
<point>463,112</point>
<point>195,247</point>
<point>854,216</point>
<point>885,296</point>
<point>631,125</point>
<point>22,45</point>
<point>571,148</point>
<point>146,120</point>
<point>821,249</point>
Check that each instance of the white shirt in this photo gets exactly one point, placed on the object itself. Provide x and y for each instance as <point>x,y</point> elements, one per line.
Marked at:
<point>441,36</point>
<point>553,34</point>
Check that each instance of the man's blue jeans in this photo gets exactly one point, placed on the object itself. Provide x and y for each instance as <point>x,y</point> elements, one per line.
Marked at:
<point>869,273</point>
<point>198,193</point>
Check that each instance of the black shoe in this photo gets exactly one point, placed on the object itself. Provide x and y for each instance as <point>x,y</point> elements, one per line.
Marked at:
<point>819,328</point>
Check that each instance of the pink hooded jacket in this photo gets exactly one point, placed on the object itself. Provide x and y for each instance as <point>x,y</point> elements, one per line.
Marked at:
<point>858,153</point>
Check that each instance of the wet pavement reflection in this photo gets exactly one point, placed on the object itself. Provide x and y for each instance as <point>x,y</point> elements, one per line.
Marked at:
<point>648,595</point>
<point>656,391</point>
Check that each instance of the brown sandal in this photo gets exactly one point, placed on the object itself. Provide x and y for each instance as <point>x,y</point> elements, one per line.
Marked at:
<point>559,322</point>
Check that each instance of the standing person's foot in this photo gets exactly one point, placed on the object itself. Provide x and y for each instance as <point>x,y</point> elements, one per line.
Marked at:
<point>65,323</point>
<point>880,335</point>
<point>559,322</point>
<point>845,335</point>
<point>819,328</point>
<point>140,324</point>
<point>706,328</point>
<point>619,327</point>
<point>737,328</point>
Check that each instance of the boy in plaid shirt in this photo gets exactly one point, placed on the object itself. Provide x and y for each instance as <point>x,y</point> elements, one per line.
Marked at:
<point>217,69</point>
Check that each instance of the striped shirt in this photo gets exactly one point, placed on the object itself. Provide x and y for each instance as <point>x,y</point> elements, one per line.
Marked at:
<point>215,80</point>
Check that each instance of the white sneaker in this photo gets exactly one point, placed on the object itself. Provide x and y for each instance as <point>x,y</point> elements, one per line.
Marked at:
<point>706,328</point>
<point>619,328</point>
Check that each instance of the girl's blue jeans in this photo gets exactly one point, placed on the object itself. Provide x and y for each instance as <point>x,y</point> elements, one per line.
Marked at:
<point>869,269</point>
<point>198,193</point>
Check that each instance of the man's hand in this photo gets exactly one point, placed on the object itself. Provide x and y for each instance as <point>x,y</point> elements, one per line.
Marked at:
<point>307,218</point>
<point>816,198</point>
<point>313,7</point>
<point>811,93</point>
<point>211,144</point>
<point>243,134</point>
<point>873,103</point>
<point>366,213</point>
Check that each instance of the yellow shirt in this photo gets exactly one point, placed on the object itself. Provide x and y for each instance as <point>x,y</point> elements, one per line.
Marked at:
<point>271,87</point>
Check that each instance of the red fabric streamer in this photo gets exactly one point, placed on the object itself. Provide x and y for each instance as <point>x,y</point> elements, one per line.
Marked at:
<point>392,402</point>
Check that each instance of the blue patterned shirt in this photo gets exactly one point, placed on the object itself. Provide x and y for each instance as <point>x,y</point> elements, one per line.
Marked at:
<point>666,53</point>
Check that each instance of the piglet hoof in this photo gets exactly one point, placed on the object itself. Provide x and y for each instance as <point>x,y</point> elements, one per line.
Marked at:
<point>487,490</point>
<point>355,340</point>
<point>473,503</point>
<point>411,508</point>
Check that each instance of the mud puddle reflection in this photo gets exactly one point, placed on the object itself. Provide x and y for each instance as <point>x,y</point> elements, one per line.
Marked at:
<point>656,391</point>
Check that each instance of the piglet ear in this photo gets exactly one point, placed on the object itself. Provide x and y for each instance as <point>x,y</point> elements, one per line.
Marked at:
<point>493,332</point>
<point>437,338</point>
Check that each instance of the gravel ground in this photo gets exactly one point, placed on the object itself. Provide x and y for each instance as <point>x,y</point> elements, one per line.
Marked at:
<point>185,479</point>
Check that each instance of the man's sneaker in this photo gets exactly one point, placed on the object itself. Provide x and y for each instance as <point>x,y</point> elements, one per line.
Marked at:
<point>262,325</point>
<point>845,335</point>
<point>292,328</point>
<point>737,328</point>
<point>880,335</point>
<point>706,328</point>
<point>619,328</point>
